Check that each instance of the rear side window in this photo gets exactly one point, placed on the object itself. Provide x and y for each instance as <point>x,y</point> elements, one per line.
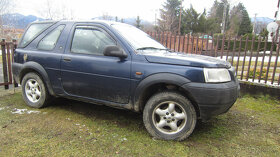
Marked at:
<point>49,41</point>
<point>90,41</point>
<point>33,31</point>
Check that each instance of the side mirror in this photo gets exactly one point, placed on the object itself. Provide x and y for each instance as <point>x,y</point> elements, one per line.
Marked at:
<point>114,51</point>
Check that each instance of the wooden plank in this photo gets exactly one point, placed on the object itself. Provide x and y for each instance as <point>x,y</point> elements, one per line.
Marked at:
<point>207,44</point>
<point>276,61</point>
<point>4,63</point>
<point>264,50</point>
<point>192,44</point>
<point>244,57</point>
<point>223,46</point>
<point>270,56</point>
<point>257,58</point>
<point>184,42</point>
<point>170,42</point>
<point>233,51</point>
<point>14,46</point>
<point>238,58</point>
<point>188,43</point>
<point>250,59</point>
<point>9,64</point>
<point>196,44</point>
<point>228,47</point>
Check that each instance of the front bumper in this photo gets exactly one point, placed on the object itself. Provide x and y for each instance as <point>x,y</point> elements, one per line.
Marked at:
<point>213,99</point>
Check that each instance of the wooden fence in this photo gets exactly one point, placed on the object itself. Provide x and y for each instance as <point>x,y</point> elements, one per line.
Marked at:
<point>254,58</point>
<point>7,51</point>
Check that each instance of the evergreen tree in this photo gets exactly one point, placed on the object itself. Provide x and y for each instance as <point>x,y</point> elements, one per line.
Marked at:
<point>245,24</point>
<point>193,22</point>
<point>169,16</point>
<point>264,33</point>
<point>202,22</point>
<point>235,19</point>
<point>138,22</point>
<point>189,20</point>
<point>216,15</point>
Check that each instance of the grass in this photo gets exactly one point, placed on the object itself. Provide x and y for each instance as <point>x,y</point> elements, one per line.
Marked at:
<point>71,128</point>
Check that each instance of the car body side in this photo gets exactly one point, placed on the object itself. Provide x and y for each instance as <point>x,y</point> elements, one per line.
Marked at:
<point>122,86</point>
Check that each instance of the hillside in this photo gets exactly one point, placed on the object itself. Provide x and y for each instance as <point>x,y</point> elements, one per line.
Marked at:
<point>19,21</point>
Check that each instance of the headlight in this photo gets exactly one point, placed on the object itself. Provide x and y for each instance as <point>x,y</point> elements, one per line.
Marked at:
<point>213,75</point>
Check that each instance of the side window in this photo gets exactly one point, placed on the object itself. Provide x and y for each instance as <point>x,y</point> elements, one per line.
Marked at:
<point>32,32</point>
<point>50,40</point>
<point>90,41</point>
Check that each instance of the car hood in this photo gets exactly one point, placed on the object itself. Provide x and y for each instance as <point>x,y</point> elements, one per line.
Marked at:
<point>186,60</point>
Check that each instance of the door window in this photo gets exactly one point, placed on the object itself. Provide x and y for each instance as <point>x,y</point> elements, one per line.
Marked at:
<point>49,41</point>
<point>90,41</point>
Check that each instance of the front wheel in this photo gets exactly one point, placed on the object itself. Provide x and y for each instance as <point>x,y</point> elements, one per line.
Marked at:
<point>169,116</point>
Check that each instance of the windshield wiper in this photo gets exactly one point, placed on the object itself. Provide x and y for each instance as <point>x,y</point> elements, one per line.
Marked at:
<point>152,48</point>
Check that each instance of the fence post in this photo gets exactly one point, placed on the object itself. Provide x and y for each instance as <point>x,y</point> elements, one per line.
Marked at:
<point>13,52</point>
<point>228,47</point>
<point>170,41</point>
<point>274,39</point>
<point>184,43</point>
<point>202,40</point>
<point>188,43</point>
<point>263,56</point>
<point>4,63</point>
<point>175,37</point>
<point>238,58</point>
<point>207,42</point>
<point>217,46</point>
<point>276,60</point>
<point>257,58</point>
<point>251,55</point>
<point>244,58</point>
<point>223,46</point>
<point>233,51</point>
<point>9,63</point>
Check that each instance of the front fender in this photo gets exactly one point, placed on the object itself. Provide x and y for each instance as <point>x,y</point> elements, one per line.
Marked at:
<point>167,78</point>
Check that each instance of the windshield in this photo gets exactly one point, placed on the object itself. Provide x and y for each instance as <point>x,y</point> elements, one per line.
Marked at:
<point>138,39</point>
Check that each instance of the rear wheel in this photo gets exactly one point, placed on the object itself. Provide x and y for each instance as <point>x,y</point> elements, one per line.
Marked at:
<point>169,116</point>
<point>34,91</point>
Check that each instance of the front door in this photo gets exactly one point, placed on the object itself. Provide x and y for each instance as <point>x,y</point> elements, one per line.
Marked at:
<point>86,72</point>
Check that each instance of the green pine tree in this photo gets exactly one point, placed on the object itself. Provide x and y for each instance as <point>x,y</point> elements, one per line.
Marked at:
<point>138,22</point>
<point>169,16</point>
<point>245,25</point>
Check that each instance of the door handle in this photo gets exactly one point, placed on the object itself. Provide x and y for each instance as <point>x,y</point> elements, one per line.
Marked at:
<point>67,59</point>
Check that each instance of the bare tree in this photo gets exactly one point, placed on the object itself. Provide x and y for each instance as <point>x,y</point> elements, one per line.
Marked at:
<point>5,7</point>
<point>106,16</point>
<point>56,10</point>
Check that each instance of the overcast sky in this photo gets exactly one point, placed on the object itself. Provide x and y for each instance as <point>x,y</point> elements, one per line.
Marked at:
<point>146,9</point>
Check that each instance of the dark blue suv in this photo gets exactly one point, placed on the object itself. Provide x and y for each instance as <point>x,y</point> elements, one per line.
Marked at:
<point>118,65</point>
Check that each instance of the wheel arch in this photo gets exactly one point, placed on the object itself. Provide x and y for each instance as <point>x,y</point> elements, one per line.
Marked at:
<point>37,68</point>
<point>161,81</point>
